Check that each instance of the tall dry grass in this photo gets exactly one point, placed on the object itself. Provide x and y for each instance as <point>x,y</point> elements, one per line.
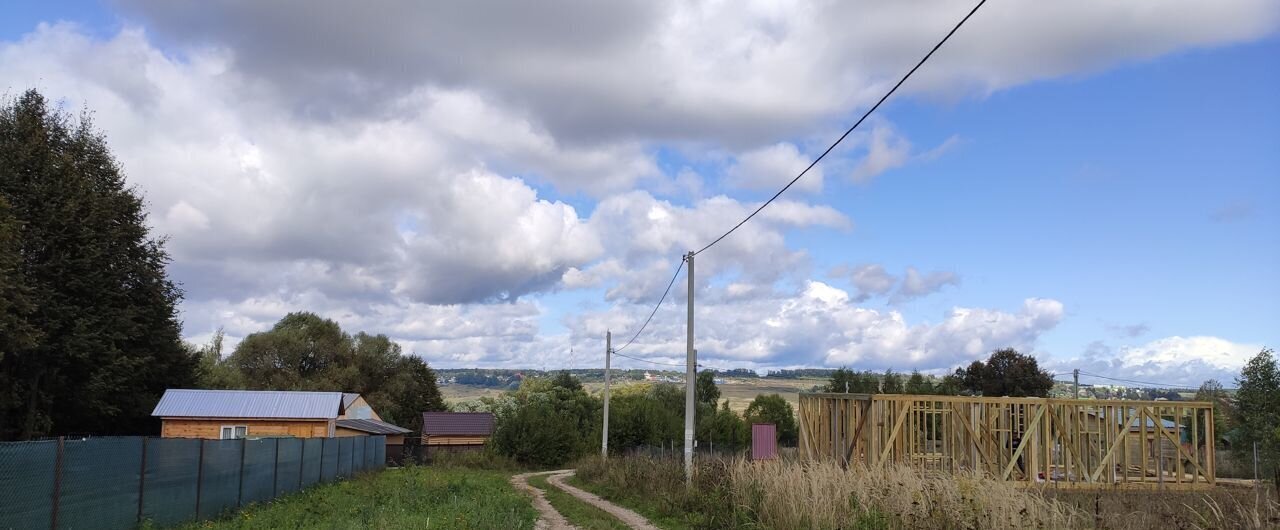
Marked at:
<point>822,495</point>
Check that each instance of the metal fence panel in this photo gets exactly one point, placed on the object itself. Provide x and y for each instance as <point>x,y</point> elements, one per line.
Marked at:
<point>329,463</point>
<point>344,457</point>
<point>357,454</point>
<point>100,483</point>
<point>169,487</point>
<point>381,452</point>
<point>288,465</point>
<point>219,477</point>
<point>258,482</point>
<point>26,483</point>
<point>311,462</point>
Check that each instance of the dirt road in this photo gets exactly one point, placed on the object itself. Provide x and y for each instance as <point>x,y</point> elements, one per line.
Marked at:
<point>550,519</point>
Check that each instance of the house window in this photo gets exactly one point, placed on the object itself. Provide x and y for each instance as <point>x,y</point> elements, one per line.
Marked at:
<point>234,432</point>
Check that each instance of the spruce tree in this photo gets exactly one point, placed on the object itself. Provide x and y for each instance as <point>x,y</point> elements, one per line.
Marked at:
<point>106,339</point>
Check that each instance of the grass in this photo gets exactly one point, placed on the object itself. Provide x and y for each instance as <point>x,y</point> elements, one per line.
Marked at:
<point>1222,507</point>
<point>740,494</point>
<point>579,513</point>
<point>650,507</point>
<point>411,497</point>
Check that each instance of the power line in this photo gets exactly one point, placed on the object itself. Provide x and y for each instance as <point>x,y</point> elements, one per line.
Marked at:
<point>850,130</point>
<point>654,312</point>
<point>645,360</point>
<point>1148,383</point>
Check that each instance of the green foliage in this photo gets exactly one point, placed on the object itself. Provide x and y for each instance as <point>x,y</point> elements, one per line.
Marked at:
<point>103,342</point>
<point>721,428</point>
<point>1258,412</point>
<point>306,352</point>
<point>891,383</point>
<point>1212,391</point>
<point>704,388</point>
<point>846,380</point>
<point>1006,373</point>
<point>545,423</point>
<point>919,385</point>
<point>567,381</point>
<point>772,408</point>
<point>645,415</point>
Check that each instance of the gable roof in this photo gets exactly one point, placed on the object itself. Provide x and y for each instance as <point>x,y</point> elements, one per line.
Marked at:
<point>465,423</point>
<point>181,403</point>
<point>348,398</point>
<point>371,426</point>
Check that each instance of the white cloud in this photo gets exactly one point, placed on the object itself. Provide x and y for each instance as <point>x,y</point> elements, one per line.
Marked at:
<point>771,167</point>
<point>871,280</point>
<point>886,150</point>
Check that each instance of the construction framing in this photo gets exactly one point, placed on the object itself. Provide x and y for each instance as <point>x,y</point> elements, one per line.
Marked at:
<point>1035,441</point>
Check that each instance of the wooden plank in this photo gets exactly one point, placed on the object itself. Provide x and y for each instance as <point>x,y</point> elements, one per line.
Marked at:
<point>1119,439</point>
<point>893,434</point>
<point>1013,461</point>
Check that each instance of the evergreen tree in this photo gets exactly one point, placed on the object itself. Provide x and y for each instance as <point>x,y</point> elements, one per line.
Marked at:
<point>891,383</point>
<point>106,340</point>
<point>704,388</point>
<point>918,384</point>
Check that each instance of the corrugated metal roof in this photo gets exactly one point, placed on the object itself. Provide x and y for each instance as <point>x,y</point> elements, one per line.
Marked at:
<point>348,398</point>
<point>372,426</point>
<point>178,403</point>
<point>465,423</point>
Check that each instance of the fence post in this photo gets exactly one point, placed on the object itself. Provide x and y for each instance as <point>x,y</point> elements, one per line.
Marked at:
<point>199,477</point>
<point>57,485</point>
<point>275,471</point>
<point>302,460</point>
<point>240,491</point>
<point>142,477</point>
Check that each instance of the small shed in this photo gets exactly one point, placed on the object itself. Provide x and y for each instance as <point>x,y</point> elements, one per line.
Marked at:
<point>764,441</point>
<point>456,430</point>
<point>361,427</point>
<point>230,414</point>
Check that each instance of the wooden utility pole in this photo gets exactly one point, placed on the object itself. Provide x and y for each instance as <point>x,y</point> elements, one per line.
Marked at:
<point>690,373</point>
<point>604,436</point>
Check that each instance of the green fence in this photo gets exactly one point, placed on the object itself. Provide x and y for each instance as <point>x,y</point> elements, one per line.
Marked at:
<point>119,482</point>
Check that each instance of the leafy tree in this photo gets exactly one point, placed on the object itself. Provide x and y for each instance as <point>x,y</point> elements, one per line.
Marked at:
<point>772,408</point>
<point>918,384</point>
<point>951,385</point>
<point>1258,412</point>
<point>891,383</point>
<point>1212,392</point>
<point>722,428</point>
<point>104,340</point>
<point>546,424</point>
<point>704,388</point>
<point>213,371</point>
<point>1006,373</point>
<point>567,381</point>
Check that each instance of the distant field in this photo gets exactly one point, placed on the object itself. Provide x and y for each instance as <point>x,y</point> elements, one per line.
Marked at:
<point>739,392</point>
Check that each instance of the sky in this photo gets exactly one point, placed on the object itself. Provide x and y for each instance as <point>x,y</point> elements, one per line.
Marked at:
<point>499,184</point>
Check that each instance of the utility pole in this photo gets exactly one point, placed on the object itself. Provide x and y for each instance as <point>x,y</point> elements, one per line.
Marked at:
<point>604,436</point>
<point>1076,384</point>
<point>690,373</point>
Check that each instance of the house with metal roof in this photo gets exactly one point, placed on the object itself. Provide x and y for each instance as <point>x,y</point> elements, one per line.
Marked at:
<point>456,430</point>
<point>230,414</point>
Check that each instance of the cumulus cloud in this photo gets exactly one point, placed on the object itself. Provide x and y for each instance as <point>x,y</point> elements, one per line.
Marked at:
<point>771,167</point>
<point>1170,361</point>
<point>871,280</point>
<point>886,150</point>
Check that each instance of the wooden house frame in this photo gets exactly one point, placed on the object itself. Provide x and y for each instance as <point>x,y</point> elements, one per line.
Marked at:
<point>1034,441</point>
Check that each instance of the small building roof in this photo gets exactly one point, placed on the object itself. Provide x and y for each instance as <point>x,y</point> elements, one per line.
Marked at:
<point>371,426</point>
<point>182,403</point>
<point>348,398</point>
<point>462,423</point>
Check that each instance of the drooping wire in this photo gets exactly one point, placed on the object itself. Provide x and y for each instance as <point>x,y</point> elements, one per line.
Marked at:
<point>1148,383</point>
<point>615,352</point>
<point>850,130</point>
<point>654,312</point>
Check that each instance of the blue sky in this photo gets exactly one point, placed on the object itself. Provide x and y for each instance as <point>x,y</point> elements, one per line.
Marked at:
<point>1104,198</point>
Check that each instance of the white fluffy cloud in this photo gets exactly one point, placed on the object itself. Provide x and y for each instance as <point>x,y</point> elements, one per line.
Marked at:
<point>431,171</point>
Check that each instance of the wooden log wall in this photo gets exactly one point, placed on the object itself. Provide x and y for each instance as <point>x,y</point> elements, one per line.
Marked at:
<point>1036,441</point>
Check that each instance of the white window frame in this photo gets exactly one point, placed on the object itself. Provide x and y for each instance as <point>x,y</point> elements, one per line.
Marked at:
<point>237,432</point>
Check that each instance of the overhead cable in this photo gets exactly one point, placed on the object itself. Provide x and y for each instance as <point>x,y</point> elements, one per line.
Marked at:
<point>850,130</point>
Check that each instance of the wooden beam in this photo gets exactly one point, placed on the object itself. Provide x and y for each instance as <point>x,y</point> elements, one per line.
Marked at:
<point>1013,461</point>
<point>1119,439</point>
